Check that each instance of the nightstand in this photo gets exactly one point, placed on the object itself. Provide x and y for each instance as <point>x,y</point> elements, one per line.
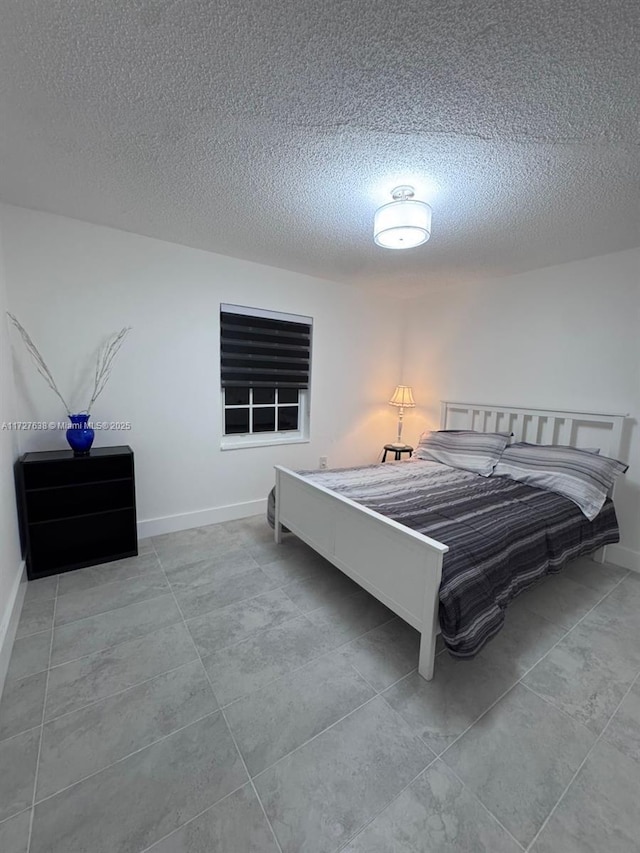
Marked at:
<point>392,448</point>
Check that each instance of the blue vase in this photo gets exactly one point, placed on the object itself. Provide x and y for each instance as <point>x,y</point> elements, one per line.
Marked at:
<point>79,435</point>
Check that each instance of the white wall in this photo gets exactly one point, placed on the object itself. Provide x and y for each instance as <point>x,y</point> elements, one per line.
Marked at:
<point>71,284</point>
<point>11,592</point>
<point>565,337</point>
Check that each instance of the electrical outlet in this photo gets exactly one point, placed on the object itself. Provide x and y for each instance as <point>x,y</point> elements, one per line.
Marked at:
<point>323,461</point>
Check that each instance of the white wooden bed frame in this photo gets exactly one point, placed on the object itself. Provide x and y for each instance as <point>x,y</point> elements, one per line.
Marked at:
<point>364,544</point>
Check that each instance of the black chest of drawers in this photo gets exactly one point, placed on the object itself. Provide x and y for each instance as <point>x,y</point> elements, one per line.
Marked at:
<point>76,511</point>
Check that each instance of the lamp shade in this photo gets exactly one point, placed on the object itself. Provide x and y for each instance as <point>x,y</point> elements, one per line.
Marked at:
<point>403,223</point>
<point>403,396</point>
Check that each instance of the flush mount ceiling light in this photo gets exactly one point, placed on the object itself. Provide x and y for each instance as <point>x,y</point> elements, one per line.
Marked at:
<point>404,222</point>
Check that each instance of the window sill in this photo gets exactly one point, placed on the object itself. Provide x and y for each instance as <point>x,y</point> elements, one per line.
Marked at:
<point>272,441</point>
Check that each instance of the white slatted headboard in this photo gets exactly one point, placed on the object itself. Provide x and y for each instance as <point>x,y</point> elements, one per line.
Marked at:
<point>539,426</point>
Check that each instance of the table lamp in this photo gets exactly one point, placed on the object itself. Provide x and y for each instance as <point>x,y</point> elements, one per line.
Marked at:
<point>403,398</point>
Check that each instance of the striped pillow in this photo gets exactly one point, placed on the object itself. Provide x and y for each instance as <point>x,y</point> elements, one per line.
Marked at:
<point>583,477</point>
<point>478,452</point>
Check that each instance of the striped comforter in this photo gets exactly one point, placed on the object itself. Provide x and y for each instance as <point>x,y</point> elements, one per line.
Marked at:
<point>503,535</point>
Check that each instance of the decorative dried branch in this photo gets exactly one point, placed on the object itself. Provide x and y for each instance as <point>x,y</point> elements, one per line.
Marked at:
<point>104,363</point>
<point>40,363</point>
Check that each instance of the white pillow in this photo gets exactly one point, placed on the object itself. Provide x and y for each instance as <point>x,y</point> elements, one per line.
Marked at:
<point>478,452</point>
<point>580,475</point>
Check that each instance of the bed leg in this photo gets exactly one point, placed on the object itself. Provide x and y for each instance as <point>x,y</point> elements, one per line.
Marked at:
<point>277,527</point>
<point>430,622</point>
<point>427,659</point>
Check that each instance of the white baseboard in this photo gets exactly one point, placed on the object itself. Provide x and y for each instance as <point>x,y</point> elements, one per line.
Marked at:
<point>623,557</point>
<point>10,619</point>
<point>186,520</point>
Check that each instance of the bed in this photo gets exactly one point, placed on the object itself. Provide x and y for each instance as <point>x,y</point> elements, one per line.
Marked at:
<point>403,567</point>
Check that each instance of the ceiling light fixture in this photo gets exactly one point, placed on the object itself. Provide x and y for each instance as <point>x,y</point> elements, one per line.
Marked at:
<point>404,222</point>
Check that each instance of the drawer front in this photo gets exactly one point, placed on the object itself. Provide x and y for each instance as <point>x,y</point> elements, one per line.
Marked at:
<point>38,475</point>
<point>83,499</point>
<point>85,540</point>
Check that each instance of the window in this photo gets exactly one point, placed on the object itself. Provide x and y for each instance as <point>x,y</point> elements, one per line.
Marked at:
<point>264,371</point>
<point>255,410</point>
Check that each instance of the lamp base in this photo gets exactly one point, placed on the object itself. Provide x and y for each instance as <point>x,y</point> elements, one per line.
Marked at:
<point>397,444</point>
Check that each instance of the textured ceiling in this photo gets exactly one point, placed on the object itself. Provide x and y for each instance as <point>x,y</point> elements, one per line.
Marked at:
<point>270,130</point>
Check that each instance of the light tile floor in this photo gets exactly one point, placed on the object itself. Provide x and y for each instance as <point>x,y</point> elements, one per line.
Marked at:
<point>221,694</point>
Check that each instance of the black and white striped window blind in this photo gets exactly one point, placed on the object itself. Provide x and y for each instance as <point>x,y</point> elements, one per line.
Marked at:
<point>264,351</point>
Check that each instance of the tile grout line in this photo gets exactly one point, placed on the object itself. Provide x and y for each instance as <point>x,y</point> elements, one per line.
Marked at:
<point>299,610</point>
<point>49,668</point>
<point>319,734</point>
<point>485,808</point>
<point>502,695</point>
<point>23,732</point>
<point>44,705</point>
<point>226,722</point>
<point>34,634</point>
<point>387,804</point>
<point>96,586</point>
<point>94,702</point>
<point>562,711</point>
<point>527,671</point>
<point>520,681</point>
<point>135,575</point>
<point>282,588</point>
<point>249,636</point>
<point>424,770</point>
<point>113,763</point>
<point>115,645</point>
<point>170,591</point>
<point>125,757</point>
<point>251,782</point>
<point>297,668</point>
<point>141,575</point>
<point>368,683</point>
<point>240,600</point>
<point>299,615</point>
<point>16,814</point>
<point>214,609</point>
<point>194,818</point>
<point>335,723</point>
<point>565,635</point>
<point>112,609</point>
<point>359,636</point>
<point>582,764</point>
<point>478,718</point>
<point>328,728</point>
<point>397,681</point>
